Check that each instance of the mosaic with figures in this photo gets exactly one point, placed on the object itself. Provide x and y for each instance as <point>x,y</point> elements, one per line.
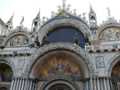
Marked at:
<point>59,64</point>
<point>19,40</point>
<point>110,34</point>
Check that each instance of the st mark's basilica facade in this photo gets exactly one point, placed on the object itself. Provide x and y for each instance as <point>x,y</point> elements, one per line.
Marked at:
<point>65,52</point>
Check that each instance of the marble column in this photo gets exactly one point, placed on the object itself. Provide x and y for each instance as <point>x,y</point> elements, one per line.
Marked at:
<point>91,84</point>
<point>105,83</point>
<point>100,83</point>
<point>23,84</point>
<point>87,84</point>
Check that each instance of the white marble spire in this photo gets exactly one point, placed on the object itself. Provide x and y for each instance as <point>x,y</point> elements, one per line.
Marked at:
<point>22,20</point>
<point>64,4</point>
<point>10,22</point>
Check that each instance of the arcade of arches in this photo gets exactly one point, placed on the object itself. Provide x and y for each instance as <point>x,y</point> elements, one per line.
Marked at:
<point>60,64</point>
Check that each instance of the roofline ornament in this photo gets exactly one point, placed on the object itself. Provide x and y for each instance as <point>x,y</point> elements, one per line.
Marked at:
<point>22,20</point>
<point>109,12</point>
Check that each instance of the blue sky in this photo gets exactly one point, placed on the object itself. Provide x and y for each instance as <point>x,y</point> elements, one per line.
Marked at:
<point>29,8</point>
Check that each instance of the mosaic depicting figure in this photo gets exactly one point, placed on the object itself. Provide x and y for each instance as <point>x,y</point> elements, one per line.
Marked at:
<point>19,40</point>
<point>59,64</point>
<point>110,34</point>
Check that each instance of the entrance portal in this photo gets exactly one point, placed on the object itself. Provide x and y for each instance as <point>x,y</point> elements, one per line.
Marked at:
<point>116,76</point>
<point>60,87</point>
<point>58,70</point>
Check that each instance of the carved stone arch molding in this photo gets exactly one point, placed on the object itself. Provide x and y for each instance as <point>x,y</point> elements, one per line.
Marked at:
<point>74,49</point>
<point>67,82</point>
<point>104,27</point>
<point>113,61</point>
<point>17,33</point>
<point>9,63</point>
<point>80,25</point>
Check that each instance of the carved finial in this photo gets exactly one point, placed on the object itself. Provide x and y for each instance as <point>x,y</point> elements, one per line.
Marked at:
<point>84,16</point>
<point>59,9</point>
<point>38,15</point>
<point>43,19</point>
<point>91,9</point>
<point>11,18</point>
<point>109,12</point>
<point>68,7</point>
<point>52,14</point>
<point>64,4</point>
<point>74,11</point>
<point>22,20</point>
<point>36,20</point>
<point>10,22</point>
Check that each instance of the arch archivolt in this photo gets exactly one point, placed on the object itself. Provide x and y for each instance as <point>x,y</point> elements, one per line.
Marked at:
<point>87,67</point>
<point>51,83</point>
<point>15,34</point>
<point>112,62</point>
<point>102,28</point>
<point>9,63</point>
<point>44,30</point>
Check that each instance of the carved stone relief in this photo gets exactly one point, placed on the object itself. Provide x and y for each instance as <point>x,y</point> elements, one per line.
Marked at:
<point>100,62</point>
